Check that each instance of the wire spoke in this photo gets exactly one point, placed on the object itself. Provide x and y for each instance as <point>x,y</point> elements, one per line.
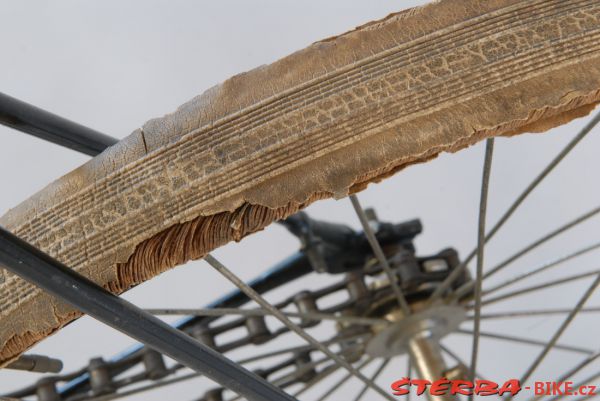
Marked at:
<point>585,381</point>
<point>541,269</point>
<point>528,341</point>
<point>291,377</point>
<point>534,288</point>
<point>261,312</point>
<point>284,316</point>
<point>485,184</point>
<point>343,380</point>
<point>289,324</point>
<point>533,313</point>
<point>560,330</point>
<point>465,288</point>
<point>364,221</point>
<point>543,240</point>
<point>459,360</point>
<point>573,372</point>
<point>254,358</point>
<point>445,285</point>
<point>152,386</point>
<point>374,377</point>
<point>579,366</point>
<point>302,348</point>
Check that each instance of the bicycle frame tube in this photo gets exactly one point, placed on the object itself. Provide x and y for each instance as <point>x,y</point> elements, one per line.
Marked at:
<point>291,268</point>
<point>50,127</point>
<point>40,269</point>
<point>42,124</point>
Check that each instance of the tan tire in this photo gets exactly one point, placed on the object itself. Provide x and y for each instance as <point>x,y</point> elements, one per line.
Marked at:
<point>322,122</point>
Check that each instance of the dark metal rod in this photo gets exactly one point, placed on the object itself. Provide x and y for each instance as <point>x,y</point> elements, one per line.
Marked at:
<point>292,268</point>
<point>40,269</point>
<point>32,120</point>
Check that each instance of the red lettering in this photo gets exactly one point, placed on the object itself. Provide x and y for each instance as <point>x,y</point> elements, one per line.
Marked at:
<point>590,393</point>
<point>421,385</point>
<point>440,387</point>
<point>485,387</point>
<point>462,387</point>
<point>556,389</point>
<point>569,388</point>
<point>512,386</point>
<point>397,386</point>
<point>538,388</point>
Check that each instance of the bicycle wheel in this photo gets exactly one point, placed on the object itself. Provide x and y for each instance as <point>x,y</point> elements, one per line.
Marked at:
<point>345,112</point>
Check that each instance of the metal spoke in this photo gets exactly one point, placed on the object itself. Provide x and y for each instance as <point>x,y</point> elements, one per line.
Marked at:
<point>573,371</point>
<point>52,276</point>
<point>302,348</point>
<point>296,349</point>
<point>254,358</point>
<point>343,380</point>
<point>485,184</point>
<point>540,269</point>
<point>50,127</point>
<point>374,377</point>
<point>534,288</point>
<point>289,378</point>
<point>465,288</point>
<point>291,325</point>
<point>533,313</point>
<point>528,341</point>
<point>261,312</point>
<point>328,371</point>
<point>152,386</point>
<point>459,360</point>
<point>589,379</point>
<point>560,330</point>
<point>456,273</point>
<point>291,268</point>
<point>364,221</point>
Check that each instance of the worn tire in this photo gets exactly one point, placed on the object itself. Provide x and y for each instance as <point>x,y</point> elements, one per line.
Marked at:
<point>322,122</point>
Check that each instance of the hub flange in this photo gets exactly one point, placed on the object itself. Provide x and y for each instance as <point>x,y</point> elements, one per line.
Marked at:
<point>434,323</point>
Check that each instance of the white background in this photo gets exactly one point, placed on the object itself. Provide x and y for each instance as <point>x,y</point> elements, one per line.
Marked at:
<point>113,65</point>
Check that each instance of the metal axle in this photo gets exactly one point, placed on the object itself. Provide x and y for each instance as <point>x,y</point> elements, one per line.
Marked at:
<point>426,356</point>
